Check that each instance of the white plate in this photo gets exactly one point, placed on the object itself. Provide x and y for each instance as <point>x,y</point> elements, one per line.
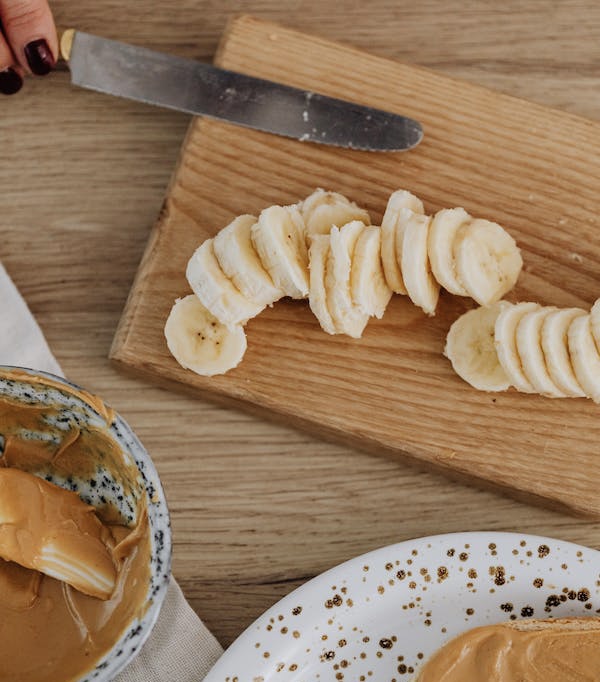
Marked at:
<point>379,616</point>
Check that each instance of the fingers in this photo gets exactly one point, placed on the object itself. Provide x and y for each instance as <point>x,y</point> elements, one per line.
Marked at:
<point>10,79</point>
<point>29,28</point>
<point>27,41</point>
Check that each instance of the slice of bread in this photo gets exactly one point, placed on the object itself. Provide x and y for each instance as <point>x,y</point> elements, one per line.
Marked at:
<point>575,623</point>
<point>478,638</point>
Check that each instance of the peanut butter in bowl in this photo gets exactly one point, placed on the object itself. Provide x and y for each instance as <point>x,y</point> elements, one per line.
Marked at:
<point>84,534</point>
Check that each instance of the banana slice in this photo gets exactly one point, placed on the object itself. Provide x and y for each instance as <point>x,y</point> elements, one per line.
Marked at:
<point>279,240</point>
<point>470,348</point>
<point>321,210</point>
<point>419,281</point>
<point>442,234</point>
<point>595,322</point>
<point>347,317</point>
<point>531,354</point>
<point>48,529</point>
<point>198,341</point>
<point>505,341</point>
<point>240,262</point>
<point>390,236</point>
<point>318,254</point>
<point>320,197</point>
<point>556,350</point>
<point>584,356</point>
<point>488,261</point>
<point>370,291</point>
<point>216,291</point>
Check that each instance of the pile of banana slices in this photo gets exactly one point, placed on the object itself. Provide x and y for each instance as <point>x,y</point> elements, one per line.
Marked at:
<point>325,249</point>
<point>536,349</point>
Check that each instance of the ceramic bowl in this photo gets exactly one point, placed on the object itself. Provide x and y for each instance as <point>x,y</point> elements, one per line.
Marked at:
<point>75,405</point>
<point>380,616</point>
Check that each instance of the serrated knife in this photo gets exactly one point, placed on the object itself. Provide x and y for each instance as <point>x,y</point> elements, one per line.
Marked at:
<point>201,89</point>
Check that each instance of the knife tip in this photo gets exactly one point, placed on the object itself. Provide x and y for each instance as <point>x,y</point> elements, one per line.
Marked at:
<point>402,138</point>
<point>66,43</point>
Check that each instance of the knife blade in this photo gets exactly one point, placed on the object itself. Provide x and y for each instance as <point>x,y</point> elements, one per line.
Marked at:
<point>197,88</point>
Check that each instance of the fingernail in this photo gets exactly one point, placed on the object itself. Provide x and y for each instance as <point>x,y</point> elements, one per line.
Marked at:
<point>39,57</point>
<point>10,82</point>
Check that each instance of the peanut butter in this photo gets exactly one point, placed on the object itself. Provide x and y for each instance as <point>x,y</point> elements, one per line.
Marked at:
<point>501,653</point>
<point>50,631</point>
<point>49,529</point>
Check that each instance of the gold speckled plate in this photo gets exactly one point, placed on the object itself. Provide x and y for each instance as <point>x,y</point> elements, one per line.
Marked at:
<point>379,616</point>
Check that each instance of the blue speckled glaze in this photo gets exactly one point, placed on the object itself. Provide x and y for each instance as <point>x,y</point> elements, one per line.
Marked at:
<point>106,487</point>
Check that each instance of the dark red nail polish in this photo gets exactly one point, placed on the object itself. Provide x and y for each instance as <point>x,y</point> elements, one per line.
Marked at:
<point>10,82</point>
<point>39,57</point>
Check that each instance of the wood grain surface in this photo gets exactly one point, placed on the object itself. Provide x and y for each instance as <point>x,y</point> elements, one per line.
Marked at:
<point>529,168</point>
<point>257,508</point>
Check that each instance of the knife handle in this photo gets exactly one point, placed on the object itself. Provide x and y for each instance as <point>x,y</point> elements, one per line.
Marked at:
<point>66,42</point>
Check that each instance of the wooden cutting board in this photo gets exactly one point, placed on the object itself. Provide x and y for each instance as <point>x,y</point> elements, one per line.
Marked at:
<point>532,169</point>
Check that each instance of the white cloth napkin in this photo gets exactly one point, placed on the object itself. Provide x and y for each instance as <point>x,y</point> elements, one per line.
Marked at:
<point>180,647</point>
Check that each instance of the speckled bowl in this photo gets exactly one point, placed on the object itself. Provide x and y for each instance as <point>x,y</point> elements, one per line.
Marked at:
<point>51,390</point>
<point>379,616</point>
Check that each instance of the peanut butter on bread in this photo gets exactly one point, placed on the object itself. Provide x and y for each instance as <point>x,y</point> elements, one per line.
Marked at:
<point>553,650</point>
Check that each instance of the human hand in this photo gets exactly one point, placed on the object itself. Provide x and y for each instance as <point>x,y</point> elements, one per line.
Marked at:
<point>28,42</point>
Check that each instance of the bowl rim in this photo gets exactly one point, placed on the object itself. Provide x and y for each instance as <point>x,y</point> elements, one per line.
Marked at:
<point>102,670</point>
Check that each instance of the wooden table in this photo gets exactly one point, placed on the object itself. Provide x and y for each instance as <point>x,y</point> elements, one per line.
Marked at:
<point>257,509</point>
